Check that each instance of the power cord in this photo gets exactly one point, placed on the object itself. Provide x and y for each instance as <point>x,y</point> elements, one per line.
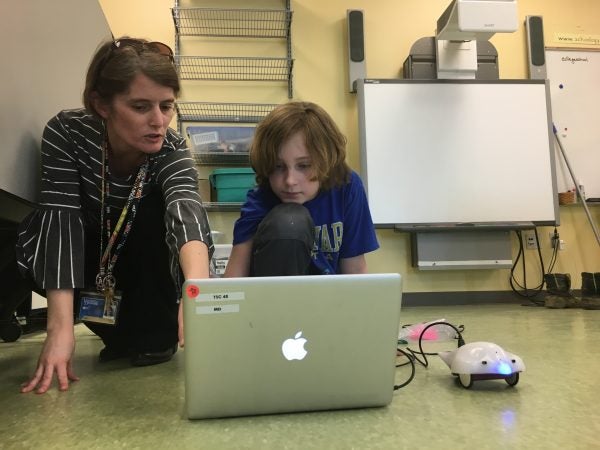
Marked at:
<point>413,370</point>
<point>411,355</point>
<point>555,248</point>
<point>526,292</point>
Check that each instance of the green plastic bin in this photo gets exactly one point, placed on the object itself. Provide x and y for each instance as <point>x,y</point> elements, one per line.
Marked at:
<point>231,185</point>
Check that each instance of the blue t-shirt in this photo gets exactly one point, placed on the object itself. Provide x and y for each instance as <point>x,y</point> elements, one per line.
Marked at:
<point>343,224</point>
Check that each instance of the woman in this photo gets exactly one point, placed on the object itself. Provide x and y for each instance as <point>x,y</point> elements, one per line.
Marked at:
<point>120,216</point>
<point>309,213</point>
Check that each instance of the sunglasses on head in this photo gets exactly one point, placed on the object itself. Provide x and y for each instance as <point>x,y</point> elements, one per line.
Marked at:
<point>157,47</point>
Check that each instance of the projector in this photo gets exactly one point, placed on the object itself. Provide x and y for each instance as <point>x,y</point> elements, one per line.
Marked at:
<point>466,20</point>
<point>459,28</point>
<point>483,361</point>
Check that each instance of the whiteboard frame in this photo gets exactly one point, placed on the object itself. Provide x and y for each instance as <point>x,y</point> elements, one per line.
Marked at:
<point>395,114</point>
<point>574,112</point>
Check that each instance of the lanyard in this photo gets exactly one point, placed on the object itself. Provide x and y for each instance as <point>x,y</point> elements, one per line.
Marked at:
<point>105,278</point>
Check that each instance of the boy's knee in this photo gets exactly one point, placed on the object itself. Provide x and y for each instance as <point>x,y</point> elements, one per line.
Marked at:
<point>287,221</point>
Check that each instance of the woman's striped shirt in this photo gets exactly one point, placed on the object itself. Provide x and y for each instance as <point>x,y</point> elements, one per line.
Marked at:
<point>51,240</point>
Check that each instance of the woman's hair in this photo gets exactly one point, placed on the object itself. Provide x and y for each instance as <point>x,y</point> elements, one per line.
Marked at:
<point>325,143</point>
<point>116,63</point>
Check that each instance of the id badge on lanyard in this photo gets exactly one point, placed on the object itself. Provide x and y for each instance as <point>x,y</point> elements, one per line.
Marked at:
<point>99,307</point>
<point>102,305</point>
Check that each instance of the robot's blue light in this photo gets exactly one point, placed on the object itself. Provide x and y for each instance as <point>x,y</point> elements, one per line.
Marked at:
<point>508,418</point>
<point>504,369</point>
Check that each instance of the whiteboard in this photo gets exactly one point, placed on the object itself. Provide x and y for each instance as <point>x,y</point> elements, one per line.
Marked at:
<point>575,90</point>
<point>47,48</point>
<point>457,152</point>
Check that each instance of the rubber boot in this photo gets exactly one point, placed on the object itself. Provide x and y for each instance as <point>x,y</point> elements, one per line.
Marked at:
<point>590,290</point>
<point>558,291</point>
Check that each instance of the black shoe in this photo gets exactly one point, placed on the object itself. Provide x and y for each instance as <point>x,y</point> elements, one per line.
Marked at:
<point>110,354</point>
<point>590,290</point>
<point>140,359</point>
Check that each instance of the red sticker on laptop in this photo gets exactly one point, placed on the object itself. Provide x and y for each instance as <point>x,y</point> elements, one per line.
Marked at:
<point>192,291</point>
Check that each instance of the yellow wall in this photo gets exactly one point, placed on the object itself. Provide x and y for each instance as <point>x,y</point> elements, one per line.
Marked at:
<point>320,75</point>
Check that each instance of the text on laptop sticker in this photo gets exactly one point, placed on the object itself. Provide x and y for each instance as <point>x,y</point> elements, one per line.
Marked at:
<point>221,297</point>
<point>217,309</point>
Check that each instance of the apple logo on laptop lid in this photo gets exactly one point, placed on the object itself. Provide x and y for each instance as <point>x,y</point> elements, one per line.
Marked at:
<point>293,348</point>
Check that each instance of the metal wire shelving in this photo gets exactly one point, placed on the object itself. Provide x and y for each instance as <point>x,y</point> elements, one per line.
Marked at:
<point>219,22</point>
<point>234,23</point>
<point>222,112</point>
<point>222,68</point>
<point>216,25</point>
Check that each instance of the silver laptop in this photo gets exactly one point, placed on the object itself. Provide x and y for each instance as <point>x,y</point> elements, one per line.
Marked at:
<point>288,344</point>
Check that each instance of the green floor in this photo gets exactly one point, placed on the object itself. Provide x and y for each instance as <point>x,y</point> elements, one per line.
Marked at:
<point>556,403</point>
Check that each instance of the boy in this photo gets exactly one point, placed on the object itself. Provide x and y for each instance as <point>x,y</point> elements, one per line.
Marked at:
<point>309,212</point>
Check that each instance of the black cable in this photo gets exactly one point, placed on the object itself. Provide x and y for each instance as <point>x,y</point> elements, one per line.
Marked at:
<point>411,355</point>
<point>539,251</point>
<point>528,293</point>
<point>412,374</point>
<point>425,362</point>
<point>520,254</point>
<point>554,257</point>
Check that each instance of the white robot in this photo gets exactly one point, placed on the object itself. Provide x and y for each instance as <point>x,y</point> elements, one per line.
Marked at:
<point>483,361</point>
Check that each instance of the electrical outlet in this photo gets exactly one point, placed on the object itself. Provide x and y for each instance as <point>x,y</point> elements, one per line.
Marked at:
<point>531,242</point>
<point>553,241</point>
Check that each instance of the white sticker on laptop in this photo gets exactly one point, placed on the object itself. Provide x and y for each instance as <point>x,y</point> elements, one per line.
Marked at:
<point>217,309</point>
<point>220,297</point>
